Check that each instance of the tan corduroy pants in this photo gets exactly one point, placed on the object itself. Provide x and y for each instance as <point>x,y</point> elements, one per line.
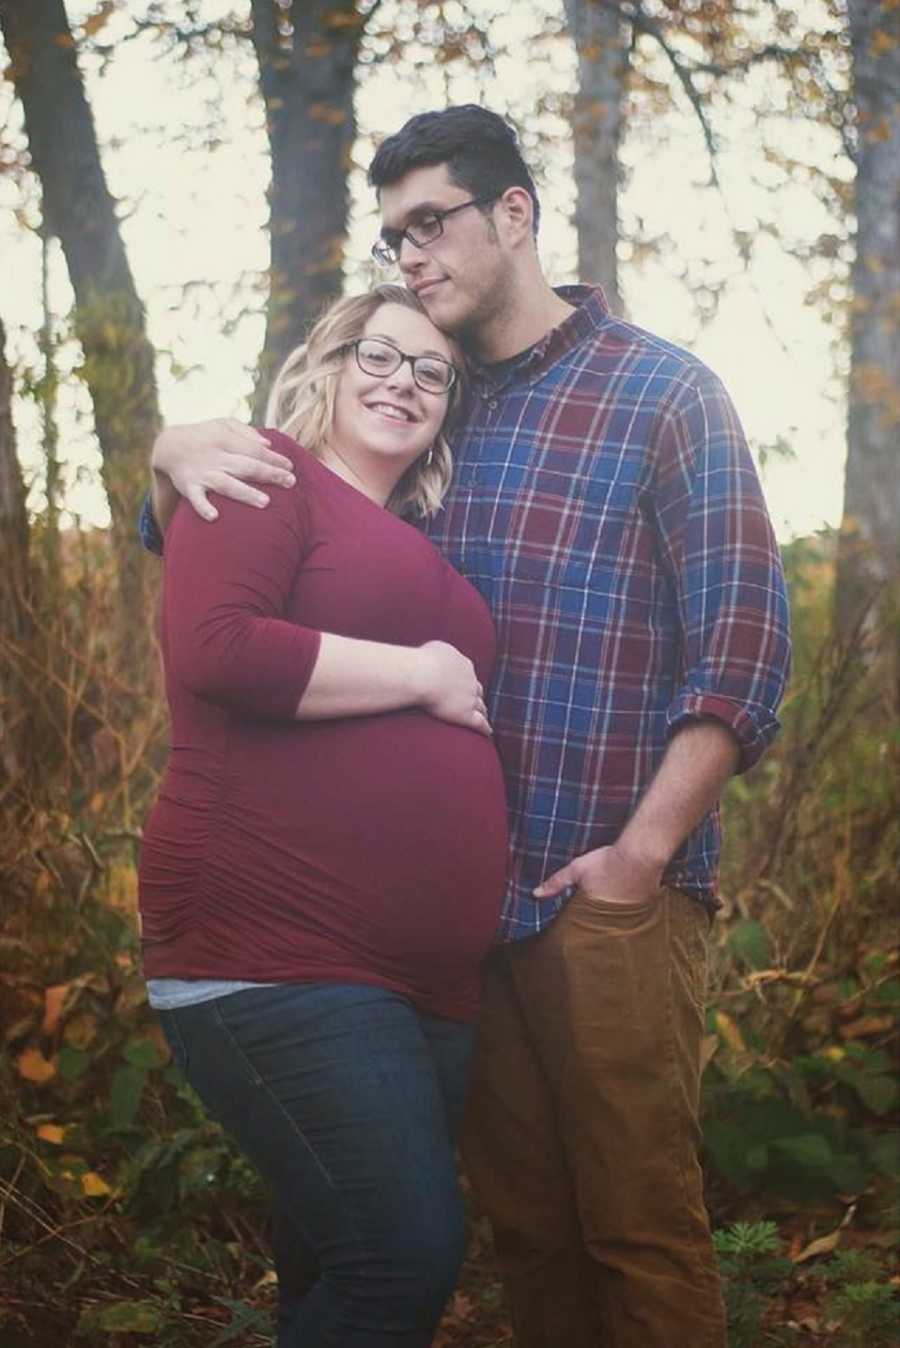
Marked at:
<point>582,1134</point>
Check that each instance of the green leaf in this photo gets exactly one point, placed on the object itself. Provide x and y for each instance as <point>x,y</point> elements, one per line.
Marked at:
<point>73,1063</point>
<point>141,1317</point>
<point>143,1053</point>
<point>750,942</point>
<point>887,994</point>
<point>125,1095</point>
<point>199,1168</point>
<point>244,1317</point>
<point>884,1154</point>
<point>810,1151</point>
<point>880,1094</point>
<point>138,1317</point>
<point>848,1175</point>
<point>757,1157</point>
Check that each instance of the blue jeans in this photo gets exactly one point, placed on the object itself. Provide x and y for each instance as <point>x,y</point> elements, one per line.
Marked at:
<point>346,1099</point>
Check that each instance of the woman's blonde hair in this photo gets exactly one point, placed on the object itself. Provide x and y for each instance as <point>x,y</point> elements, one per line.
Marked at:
<point>301,402</point>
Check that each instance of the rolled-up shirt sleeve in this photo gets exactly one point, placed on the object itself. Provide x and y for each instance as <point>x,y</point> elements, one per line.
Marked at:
<point>225,591</point>
<point>719,545</point>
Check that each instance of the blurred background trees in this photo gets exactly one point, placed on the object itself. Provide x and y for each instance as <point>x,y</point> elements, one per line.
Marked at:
<point>702,150</point>
<point>869,553</point>
<point>77,208</point>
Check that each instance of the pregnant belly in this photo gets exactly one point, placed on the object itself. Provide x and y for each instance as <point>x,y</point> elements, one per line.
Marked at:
<point>383,799</point>
<point>384,836</point>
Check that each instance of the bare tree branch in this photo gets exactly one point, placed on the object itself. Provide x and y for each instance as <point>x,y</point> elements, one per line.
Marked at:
<point>644,23</point>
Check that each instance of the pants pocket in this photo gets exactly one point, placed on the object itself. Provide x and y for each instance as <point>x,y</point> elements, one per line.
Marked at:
<point>614,914</point>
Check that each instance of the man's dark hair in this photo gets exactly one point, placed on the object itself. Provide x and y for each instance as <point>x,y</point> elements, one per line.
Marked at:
<point>479,148</point>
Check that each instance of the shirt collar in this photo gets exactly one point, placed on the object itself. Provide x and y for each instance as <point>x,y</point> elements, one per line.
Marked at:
<point>591,310</point>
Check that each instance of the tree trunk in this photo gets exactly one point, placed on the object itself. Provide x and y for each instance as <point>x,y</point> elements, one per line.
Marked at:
<point>78,208</point>
<point>869,545</point>
<point>598,34</point>
<point>15,589</point>
<point>307,80</point>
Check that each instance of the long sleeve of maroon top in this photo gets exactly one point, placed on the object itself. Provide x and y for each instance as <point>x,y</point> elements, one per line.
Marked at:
<point>367,848</point>
<point>227,590</point>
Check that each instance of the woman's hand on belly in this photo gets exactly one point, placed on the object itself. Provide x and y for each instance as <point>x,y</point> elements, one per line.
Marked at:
<point>451,690</point>
<point>354,677</point>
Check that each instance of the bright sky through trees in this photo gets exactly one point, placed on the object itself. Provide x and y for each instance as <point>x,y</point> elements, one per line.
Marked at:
<point>184,152</point>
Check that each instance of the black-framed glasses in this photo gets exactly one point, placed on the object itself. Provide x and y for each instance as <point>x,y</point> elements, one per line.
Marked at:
<point>376,356</point>
<point>426,229</point>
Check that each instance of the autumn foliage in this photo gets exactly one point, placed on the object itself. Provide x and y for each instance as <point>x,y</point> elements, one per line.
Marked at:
<point>114,1187</point>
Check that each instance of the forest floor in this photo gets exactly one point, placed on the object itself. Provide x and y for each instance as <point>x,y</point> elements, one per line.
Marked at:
<point>173,1311</point>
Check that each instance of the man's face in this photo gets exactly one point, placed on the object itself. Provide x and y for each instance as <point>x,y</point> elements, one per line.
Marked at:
<point>464,277</point>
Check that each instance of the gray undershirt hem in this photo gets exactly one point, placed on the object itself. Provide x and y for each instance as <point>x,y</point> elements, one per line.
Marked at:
<point>168,994</point>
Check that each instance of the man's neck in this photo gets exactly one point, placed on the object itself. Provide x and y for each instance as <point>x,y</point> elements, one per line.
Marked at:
<point>538,312</point>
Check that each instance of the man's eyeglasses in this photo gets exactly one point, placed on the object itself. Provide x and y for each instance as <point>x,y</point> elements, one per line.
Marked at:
<point>426,229</point>
<point>378,357</point>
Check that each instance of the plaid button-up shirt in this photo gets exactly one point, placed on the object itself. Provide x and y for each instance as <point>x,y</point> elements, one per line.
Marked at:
<point>605,504</point>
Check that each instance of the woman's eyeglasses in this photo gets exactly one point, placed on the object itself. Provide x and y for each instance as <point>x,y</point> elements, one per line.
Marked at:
<point>378,357</point>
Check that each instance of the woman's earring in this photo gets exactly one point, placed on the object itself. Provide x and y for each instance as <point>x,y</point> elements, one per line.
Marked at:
<point>429,457</point>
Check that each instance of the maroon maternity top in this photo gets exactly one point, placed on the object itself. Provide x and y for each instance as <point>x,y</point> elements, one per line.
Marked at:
<point>364,849</point>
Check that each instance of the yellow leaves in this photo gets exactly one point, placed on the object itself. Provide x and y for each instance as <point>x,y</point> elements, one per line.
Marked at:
<point>54,1000</point>
<point>92,26</point>
<point>52,1133</point>
<point>88,1182</point>
<point>60,999</point>
<point>824,1245</point>
<point>728,1031</point>
<point>33,1066</point>
<point>122,888</point>
<point>94,1185</point>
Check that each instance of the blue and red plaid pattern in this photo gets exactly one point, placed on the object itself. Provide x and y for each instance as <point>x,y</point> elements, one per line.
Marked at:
<point>606,505</point>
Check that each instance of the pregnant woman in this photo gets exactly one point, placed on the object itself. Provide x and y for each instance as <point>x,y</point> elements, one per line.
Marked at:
<point>321,875</point>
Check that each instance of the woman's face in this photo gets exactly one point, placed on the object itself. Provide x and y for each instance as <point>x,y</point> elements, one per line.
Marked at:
<point>383,422</point>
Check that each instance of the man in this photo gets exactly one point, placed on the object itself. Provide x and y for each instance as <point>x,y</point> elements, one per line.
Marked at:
<point>606,505</point>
